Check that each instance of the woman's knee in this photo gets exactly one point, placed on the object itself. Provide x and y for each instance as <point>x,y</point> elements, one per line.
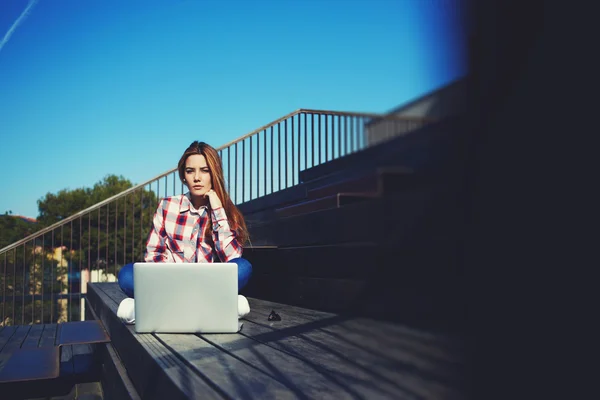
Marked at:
<point>125,279</point>
<point>244,271</point>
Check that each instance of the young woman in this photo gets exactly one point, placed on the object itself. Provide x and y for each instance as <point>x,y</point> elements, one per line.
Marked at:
<point>202,225</point>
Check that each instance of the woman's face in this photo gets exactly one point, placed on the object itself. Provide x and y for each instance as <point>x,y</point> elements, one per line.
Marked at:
<point>197,175</point>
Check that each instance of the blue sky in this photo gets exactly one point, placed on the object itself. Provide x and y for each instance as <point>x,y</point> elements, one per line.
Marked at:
<point>96,87</point>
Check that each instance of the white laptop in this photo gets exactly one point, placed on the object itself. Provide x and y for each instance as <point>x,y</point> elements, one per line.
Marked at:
<point>186,297</point>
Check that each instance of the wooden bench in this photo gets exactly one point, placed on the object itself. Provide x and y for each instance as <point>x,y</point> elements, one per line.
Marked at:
<point>48,359</point>
<point>307,354</point>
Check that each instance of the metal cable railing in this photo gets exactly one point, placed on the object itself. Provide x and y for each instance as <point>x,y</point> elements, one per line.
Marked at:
<point>43,277</point>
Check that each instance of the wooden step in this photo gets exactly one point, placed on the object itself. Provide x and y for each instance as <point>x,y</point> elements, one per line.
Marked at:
<point>346,260</point>
<point>403,281</point>
<point>379,180</point>
<point>376,181</point>
<point>324,203</point>
<point>419,210</point>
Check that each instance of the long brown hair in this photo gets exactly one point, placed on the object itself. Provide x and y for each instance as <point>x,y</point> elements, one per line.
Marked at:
<point>215,166</point>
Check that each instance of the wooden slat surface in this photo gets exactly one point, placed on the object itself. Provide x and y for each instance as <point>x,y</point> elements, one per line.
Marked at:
<point>234,375</point>
<point>34,353</point>
<point>5,334</point>
<point>368,358</point>
<point>228,373</point>
<point>22,359</point>
<point>308,354</point>
<point>17,339</point>
<point>82,332</point>
<point>48,337</point>
<point>155,371</point>
<point>34,336</point>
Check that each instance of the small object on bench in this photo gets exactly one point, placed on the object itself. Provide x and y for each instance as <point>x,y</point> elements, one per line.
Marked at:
<point>274,316</point>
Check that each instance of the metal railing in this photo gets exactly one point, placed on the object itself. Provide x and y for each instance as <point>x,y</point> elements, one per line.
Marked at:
<point>43,277</point>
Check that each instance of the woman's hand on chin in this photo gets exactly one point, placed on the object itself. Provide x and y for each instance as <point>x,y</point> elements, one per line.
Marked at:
<point>214,200</point>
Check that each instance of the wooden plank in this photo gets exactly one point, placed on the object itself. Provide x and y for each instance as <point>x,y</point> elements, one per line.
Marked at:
<point>33,363</point>
<point>48,337</point>
<point>156,372</point>
<point>395,214</point>
<point>366,182</point>
<point>66,360</point>
<point>84,361</point>
<point>368,358</point>
<point>372,180</point>
<point>114,379</point>
<point>297,315</point>
<point>233,376</point>
<point>302,379</point>
<point>307,206</point>
<point>38,366</point>
<point>17,339</point>
<point>34,336</point>
<point>272,200</point>
<point>20,366</point>
<point>114,293</point>
<point>317,354</point>
<point>6,334</point>
<point>226,374</point>
<point>82,332</point>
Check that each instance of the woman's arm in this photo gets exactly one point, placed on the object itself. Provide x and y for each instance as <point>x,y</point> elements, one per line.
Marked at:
<point>226,243</point>
<point>156,248</point>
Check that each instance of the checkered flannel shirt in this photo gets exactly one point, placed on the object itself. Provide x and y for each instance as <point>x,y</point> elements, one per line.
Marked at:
<point>178,234</point>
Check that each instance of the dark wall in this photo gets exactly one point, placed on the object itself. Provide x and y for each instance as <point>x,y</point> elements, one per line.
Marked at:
<point>527,195</point>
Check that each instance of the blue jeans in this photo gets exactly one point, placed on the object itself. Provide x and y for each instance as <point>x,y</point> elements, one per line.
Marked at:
<point>126,275</point>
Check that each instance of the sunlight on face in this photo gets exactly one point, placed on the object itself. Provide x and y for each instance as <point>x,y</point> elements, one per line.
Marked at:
<point>197,175</point>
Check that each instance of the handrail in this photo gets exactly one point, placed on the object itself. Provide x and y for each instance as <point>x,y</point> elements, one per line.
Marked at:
<point>322,112</point>
<point>240,139</point>
<point>45,278</point>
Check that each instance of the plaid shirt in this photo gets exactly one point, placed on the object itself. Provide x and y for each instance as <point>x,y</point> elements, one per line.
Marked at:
<point>178,234</point>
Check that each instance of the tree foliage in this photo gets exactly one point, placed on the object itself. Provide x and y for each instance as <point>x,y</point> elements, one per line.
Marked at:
<point>103,239</point>
<point>113,234</point>
<point>14,228</point>
<point>56,207</point>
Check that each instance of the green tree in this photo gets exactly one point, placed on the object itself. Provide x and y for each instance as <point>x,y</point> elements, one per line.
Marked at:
<point>103,239</point>
<point>13,229</point>
<point>111,235</point>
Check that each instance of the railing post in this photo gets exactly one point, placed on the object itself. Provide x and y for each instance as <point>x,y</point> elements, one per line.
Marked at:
<point>285,157</point>
<point>251,175</point>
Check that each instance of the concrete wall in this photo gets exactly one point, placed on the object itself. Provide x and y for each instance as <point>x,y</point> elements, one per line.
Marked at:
<point>446,101</point>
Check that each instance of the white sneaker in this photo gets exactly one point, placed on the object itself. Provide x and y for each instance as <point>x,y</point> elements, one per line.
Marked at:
<point>243,306</point>
<point>126,311</point>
